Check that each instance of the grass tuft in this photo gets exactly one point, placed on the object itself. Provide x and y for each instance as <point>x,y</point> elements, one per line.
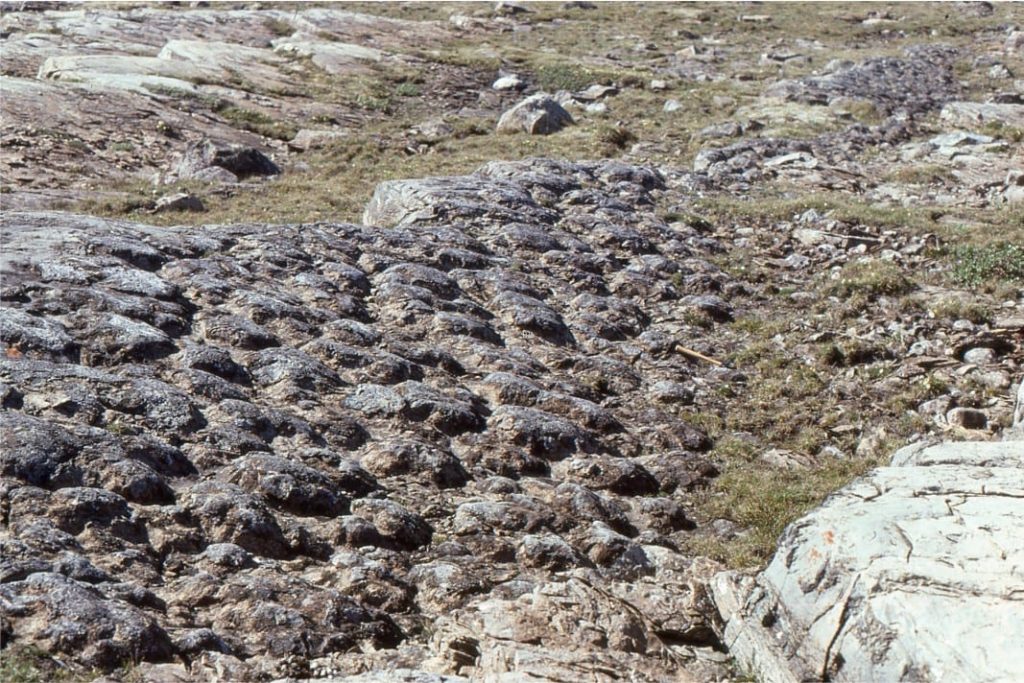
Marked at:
<point>554,77</point>
<point>975,265</point>
<point>30,664</point>
<point>868,278</point>
<point>256,122</point>
<point>955,308</point>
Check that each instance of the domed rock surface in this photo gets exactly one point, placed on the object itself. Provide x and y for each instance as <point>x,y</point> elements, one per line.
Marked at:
<point>256,445</point>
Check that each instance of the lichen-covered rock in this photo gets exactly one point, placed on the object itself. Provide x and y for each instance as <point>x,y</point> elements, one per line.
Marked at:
<point>68,617</point>
<point>239,162</point>
<point>978,115</point>
<point>919,81</point>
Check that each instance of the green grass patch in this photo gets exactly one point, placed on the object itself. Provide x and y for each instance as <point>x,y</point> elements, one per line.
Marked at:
<point>976,265</point>
<point>851,352</point>
<point>839,206</point>
<point>763,501</point>
<point>957,308</point>
<point>256,122</point>
<point>868,279</point>
<point>572,77</point>
<point>615,135</point>
<point>1002,131</point>
<point>30,664</point>
<point>407,90</point>
<point>925,174</point>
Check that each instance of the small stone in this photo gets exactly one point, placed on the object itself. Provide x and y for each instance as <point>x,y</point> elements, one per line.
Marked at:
<point>787,460</point>
<point>937,408</point>
<point>508,9</point>
<point>510,82</point>
<point>831,451</point>
<point>1014,192</point>
<point>1014,41</point>
<point>181,201</point>
<point>873,444</point>
<point>981,355</point>
<point>999,71</point>
<point>658,84</point>
<point>994,379</point>
<point>968,418</point>
<point>810,237</point>
<point>243,162</point>
<point>667,391</point>
<point>435,129</point>
<point>836,65</point>
<point>227,555</point>
<point>960,139</point>
<point>596,92</point>
<point>672,105</point>
<point>310,139</point>
<point>215,174</point>
<point>537,115</point>
<point>723,102</point>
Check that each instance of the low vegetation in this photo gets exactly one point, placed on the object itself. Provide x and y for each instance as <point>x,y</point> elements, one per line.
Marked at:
<point>980,265</point>
<point>29,664</point>
<point>867,279</point>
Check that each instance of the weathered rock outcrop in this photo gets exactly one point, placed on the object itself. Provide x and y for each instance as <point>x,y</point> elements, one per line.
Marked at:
<point>908,574</point>
<point>101,94</point>
<point>262,447</point>
<point>918,82</point>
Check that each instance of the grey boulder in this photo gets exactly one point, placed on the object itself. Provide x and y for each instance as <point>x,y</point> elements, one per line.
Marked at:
<point>207,160</point>
<point>537,115</point>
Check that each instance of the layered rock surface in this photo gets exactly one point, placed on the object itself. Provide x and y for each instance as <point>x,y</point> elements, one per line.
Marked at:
<point>911,573</point>
<point>260,449</point>
<point>103,94</point>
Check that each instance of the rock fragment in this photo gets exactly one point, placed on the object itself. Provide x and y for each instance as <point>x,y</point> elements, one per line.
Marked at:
<point>241,162</point>
<point>536,115</point>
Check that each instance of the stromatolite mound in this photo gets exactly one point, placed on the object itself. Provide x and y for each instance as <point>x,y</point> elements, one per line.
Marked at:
<point>267,448</point>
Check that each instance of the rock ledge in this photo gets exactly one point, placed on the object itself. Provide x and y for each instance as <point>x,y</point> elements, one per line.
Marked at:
<point>909,573</point>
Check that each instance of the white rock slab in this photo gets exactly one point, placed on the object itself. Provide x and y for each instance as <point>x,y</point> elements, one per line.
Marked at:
<point>913,572</point>
<point>332,57</point>
<point>973,114</point>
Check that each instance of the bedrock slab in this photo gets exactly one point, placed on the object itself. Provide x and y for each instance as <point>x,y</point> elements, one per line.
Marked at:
<point>911,573</point>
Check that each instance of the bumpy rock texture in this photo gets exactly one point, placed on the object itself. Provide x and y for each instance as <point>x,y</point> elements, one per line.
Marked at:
<point>909,574</point>
<point>458,442</point>
<point>255,448</point>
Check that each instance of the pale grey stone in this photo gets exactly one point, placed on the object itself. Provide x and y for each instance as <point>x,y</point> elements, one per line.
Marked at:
<point>537,115</point>
<point>906,574</point>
